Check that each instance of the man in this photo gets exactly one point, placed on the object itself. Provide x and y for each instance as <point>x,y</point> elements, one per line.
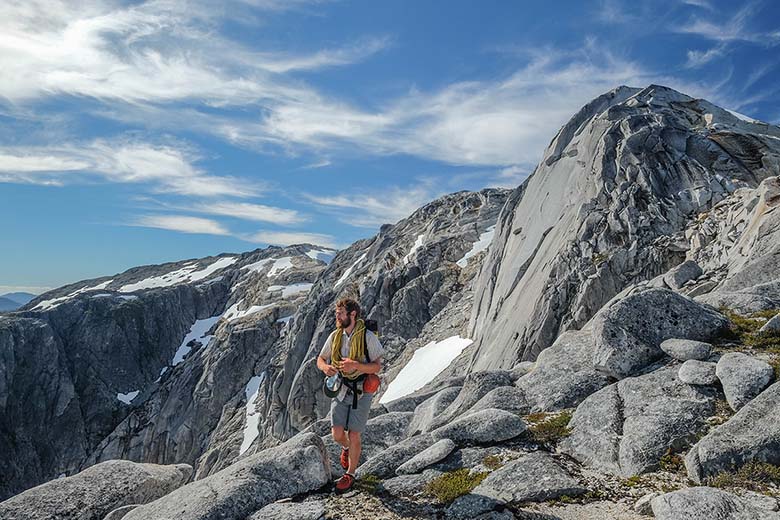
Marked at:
<point>353,352</point>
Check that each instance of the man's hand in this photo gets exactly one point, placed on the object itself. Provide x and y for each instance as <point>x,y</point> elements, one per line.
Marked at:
<point>349,365</point>
<point>329,370</point>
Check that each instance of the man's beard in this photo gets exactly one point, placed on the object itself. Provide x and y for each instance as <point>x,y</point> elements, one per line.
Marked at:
<point>346,322</point>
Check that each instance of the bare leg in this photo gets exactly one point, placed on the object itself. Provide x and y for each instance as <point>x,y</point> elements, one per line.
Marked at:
<point>354,452</point>
<point>340,437</point>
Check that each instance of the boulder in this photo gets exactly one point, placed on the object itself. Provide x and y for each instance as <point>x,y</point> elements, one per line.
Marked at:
<point>685,349</point>
<point>298,466</point>
<point>628,332</point>
<point>532,478</point>
<point>686,271</point>
<point>384,431</point>
<point>428,456</point>
<point>405,485</point>
<point>314,510</point>
<point>96,491</point>
<point>486,426</point>
<point>385,463</point>
<point>772,325</point>
<point>694,372</point>
<point>475,387</point>
<point>627,427</point>
<point>564,374</point>
<point>743,377</point>
<point>120,512</point>
<point>706,503</point>
<point>471,506</point>
<point>752,434</point>
<point>430,409</point>
<point>509,398</point>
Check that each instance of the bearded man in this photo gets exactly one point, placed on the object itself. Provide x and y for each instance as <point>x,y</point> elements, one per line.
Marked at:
<point>352,353</point>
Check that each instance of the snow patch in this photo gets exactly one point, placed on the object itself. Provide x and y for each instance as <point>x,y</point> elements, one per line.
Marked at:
<point>480,245</point>
<point>258,266</point>
<point>426,363</point>
<point>187,273</point>
<point>289,290</point>
<point>197,332</point>
<point>285,320</point>
<point>252,414</point>
<point>232,313</point>
<point>50,304</point>
<point>128,397</point>
<point>280,265</point>
<point>349,271</point>
<point>324,256</point>
<point>417,245</point>
<point>743,117</point>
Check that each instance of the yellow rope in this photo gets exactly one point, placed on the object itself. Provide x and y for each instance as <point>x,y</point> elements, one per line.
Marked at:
<point>357,347</point>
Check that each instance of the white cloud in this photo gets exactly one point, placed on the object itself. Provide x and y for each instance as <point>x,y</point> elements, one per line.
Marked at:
<point>286,238</point>
<point>701,58</point>
<point>705,4</point>
<point>166,168</point>
<point>253,212</point>
<point>734,29</point>
<point>5,289</point>
<point>372,208</point>
<point>511,176</point>
<point>153,52</point>
<point>181,223</point>
<point>503,122</point>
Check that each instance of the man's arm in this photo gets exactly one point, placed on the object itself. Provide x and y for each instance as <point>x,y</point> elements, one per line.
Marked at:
<point>348,365</point>
<point>326,367</point>
<point>323,362</point>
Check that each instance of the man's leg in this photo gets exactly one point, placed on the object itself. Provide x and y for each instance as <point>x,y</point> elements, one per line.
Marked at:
<point>354,452</point>
<point>340,436</point>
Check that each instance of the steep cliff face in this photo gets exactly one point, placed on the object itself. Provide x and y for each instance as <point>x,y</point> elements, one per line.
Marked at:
<point>603,209</point>
<point>102,346</point>
<point>402,277</point>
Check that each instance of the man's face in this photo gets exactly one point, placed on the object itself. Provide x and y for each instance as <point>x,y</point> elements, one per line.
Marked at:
<point>343,320</point>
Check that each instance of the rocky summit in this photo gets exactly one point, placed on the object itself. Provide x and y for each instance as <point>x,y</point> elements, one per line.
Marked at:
<point>598,343</point>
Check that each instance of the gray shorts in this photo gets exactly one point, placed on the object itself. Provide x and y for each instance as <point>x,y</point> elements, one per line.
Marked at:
<point>342,414</point>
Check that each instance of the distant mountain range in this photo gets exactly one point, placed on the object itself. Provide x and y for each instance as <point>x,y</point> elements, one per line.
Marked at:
<point>12,301</point>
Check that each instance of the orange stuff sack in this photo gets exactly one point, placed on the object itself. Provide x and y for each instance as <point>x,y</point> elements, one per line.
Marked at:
<point>371,383</point>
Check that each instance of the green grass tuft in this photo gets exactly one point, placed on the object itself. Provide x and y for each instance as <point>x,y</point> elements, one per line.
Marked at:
<point>755,476</point>
<point>368,484</point>
<point>547,428</point>
<point>451,485</point>
<point>671,462</point>
<point>745,330</point>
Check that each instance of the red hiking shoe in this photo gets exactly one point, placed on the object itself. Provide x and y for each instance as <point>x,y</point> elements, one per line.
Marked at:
<point>345,483</point>
<point>344,459</point>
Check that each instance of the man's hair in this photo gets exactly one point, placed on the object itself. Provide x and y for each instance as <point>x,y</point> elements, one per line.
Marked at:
<point>349,305</point>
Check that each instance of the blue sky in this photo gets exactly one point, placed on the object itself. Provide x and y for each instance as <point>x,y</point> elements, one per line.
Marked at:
<point>144,132</point>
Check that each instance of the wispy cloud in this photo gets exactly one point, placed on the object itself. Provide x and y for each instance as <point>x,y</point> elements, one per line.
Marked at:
<point>5,289</point>
<point>697,59</point>
<point>152,52</point>
<point>705,4</point>
<point>286,238</point>
<point>252,212</point>
<point>181,223</point>
<point>502,122</point>
<point>372,208</point>
<point>511,176</point>
<point>165,168</point>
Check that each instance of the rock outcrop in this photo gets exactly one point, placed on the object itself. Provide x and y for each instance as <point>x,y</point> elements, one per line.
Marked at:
<point>622,178</point>
<point>751,435</point>
<point>95,492</point>
<point>298,466</point>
